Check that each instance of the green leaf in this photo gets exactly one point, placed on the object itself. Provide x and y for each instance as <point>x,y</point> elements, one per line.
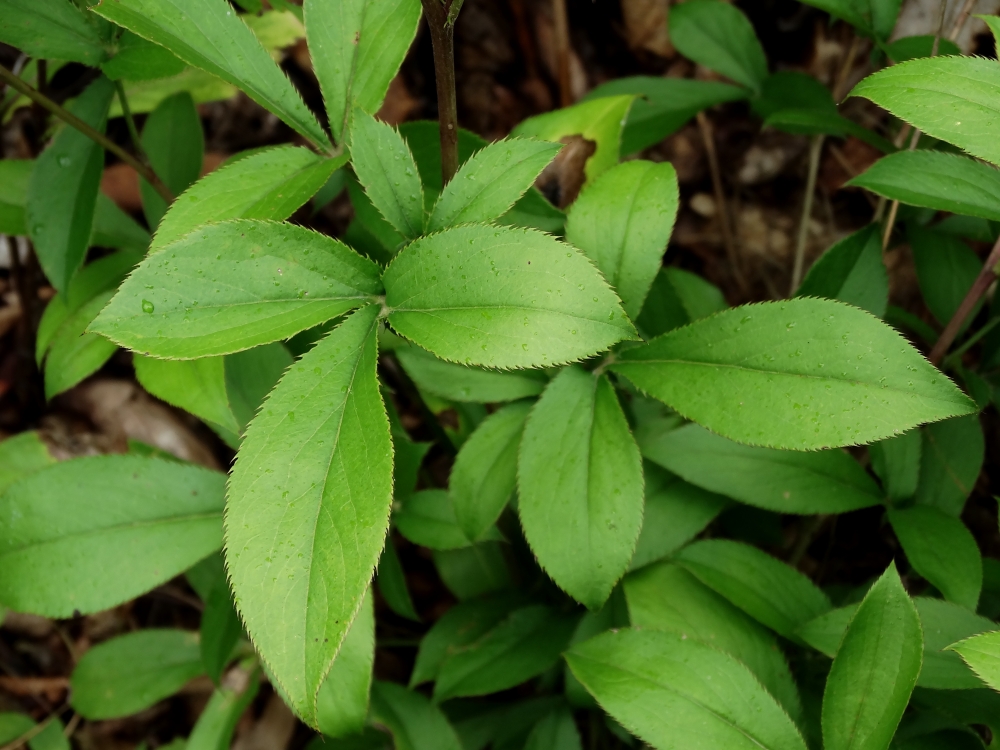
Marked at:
<point>944,623</point>
<point>53,29</point>
<point>597,120</point>
<point>138,59</point>
<point>875,18</point>
<point>674,514</point>
<point>792,90</point>
<point>933,179</point>
<point>667,597</point>
<point>557,731</point>
<point>490,182</point>
<point>825,632</point>
<point>220,625</point>
<point>580,485</point>
<point>308,508</point>
<point>173,140</point>
<point>428,518</point>
<point>234,285</point>
<point>942,550</point>
<point>912,47</point>
<point>460,626</point>
<point>75,354</point>
<point>801,375</point>
<point>875,670</point>
<point>982,654</point>
<point>767,589</point>
<point>62,190</point>
<point>250,376</point>
<point>132,672</point>
<point>270,184</point>
<point>115,228</point>
<point>196,385</point>
<point>467,384</point>
<point>783,481</point>
<point>896,461</point>
<point>679,694</point>
<point>161,516</point>
<point>524,644</point>
<point>485,472</point>
<point>819,122</point>
<point>21,455</point>
<point>500,297</point>
<point>949,98</point>
<point>946,269</point>
<point>392,582</point>
<point>664,105</point>
<point>676,298</point>
<point>952,456</point>
<point>473,571</point>
<point>415,722</point>
<point>342,702</point>
<point>357,47</point>
<point>145,96</point>
<point>214,38</point>
<point>720,37</point>
<point>14,177</point>
<point>852,271</point>
<point>385,167</point>
<point>623,221</point>
<point>217,722</point>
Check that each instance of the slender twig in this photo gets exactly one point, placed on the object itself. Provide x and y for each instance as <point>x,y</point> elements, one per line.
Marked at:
<point>960,20</point>
<point>815,149</point>
<point>99,138</point>
<point>33,732</point>
<point>986,277</point>
<point>720,199</point>
<point>561,27</point>
<point>133,132</point>
<point>956,355</point>
<point>443,44</point>
<point>939,31</point>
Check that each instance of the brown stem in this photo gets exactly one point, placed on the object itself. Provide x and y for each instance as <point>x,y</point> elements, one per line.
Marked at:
<point>720,199</point>
<point>443,43</point>
<point>963,16</point>
<point>99,138</point>
<point>986,276</point>
<point>561,24</point>
<point>815,149</point>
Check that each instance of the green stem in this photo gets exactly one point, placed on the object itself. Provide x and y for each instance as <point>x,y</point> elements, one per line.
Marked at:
<point>96,136</point>
<point>133,132</point>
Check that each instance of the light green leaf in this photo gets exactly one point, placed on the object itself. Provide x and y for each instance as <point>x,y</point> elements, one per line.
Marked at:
<point>911,47</point>
<point>173,140</point>
<point>308,508</point>
<point>524,644</point>
<point>679,694</point>
<point>14,177</point>
<point>490,182</point>
<point>580,485</point>
<point>211,36</point>
<point>952,456</point>
<point>942,550</point>
<point>214,728</point>
<point>21,455</point>
<point>800,375</point>
<point>357,47</point>
<point>342,703</point>
<point>933,179</point>
<point>663,106</point>
<point>138,59</point>
<point>428,518</point>
<point>667,597</point>
<point>52,29</point>
<point>415,722</point>
<point>145,96</point>
<point>62,190</point>
<point>270,184</point>
<point>784,481</point>
<point>767,589</point>
<point>946,269</point>
<point>623,221</point>
<point>75,354</point>
<point>162,516</point>
<point>460,626</point>
<point>875,670</point>
<point>132,672</point>
<point>485,472</point>
<point>676,298</point>
<point>385,167</point>
<point>391,581</point>
<point>896,461</point>
<point>982,654</point>
<point>557,731</point>
<point>196,385</point>
<point>501,297</point>
<point>674,514</point>
<point>950,98</point>
<point>467,384</point>
<point>598,120</point>
<point>944,623</point>
<point>234,285</point>
<point>852,271</point>
<point>720,37</point>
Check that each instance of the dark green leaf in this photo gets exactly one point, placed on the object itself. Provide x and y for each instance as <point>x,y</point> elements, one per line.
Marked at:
<point>473,571</point>
<point>720,37</point>
<point>912,47</point>
<point>871,17</point>
<point>115,228</point>
<point>342,702</point>
<point>676,298</point>
<point>557,731</point>
<point>415,722</point>
<point>943,624</point>
<point>896,461</point>
<point>428,518</point>
<point>460,383</point>
<point>138,59</point>
<point>54,29</point>
<point>14,177</point>
<point>196,385</point>
<point>250,376</point>
<point>391,582</point>
<point>173,141</point>
<point>946,269</point>
<point>75,354</point>
<point>220,630</point>
<point>851,271</point>
<point>951,458</point>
